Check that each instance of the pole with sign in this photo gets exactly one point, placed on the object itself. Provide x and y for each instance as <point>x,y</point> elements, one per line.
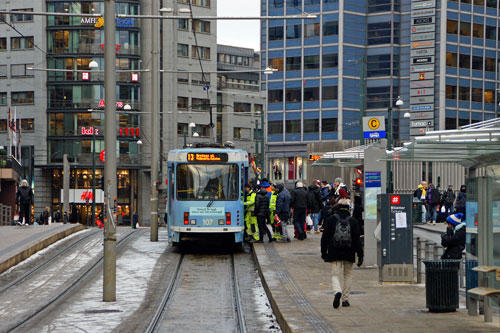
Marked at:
<point>374,127</point>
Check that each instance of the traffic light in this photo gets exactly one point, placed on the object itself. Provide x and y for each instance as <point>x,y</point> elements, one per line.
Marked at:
<point>359,181</point>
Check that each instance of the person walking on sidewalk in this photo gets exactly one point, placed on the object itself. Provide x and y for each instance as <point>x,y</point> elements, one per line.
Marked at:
<point>447,200</point>
<point>24,200</point>
<point>44,217</point>
<point>339,244</point>
<point>299,204</point>
<point>433,199</point>
<point>461,200</point>
<point>262,213</point>
<point>315,204</point>
<point>454,238</point>
<point>135,220</point>
<point>283,210</point>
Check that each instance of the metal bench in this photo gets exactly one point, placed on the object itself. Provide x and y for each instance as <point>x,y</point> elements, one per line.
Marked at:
<point>474,294</point>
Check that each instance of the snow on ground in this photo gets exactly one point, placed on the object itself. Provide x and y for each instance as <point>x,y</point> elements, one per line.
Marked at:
<point>267,318</point>
<point>87,312</point>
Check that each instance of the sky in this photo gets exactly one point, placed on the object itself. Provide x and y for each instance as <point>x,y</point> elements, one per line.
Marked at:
<point>239,33</point>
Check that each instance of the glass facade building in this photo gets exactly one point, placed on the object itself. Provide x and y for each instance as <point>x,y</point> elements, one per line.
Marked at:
<point>440,56</point>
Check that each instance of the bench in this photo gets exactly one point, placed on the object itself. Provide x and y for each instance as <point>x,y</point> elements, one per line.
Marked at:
<point>475,293</point>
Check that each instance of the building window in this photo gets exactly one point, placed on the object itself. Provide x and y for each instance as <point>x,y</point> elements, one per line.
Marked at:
<point>182,50</point>
<point>311,2</point>
<point>258,108</point>
<point>182,129</point>
<point>275,127</point>
<point>3,43</point>
<point>489,96</point>
<point>378,97</point>
<point>276,4</point>
<point>293,126</point>
<point>489,64</point>
<point>379,65</point>
<point>311,125</point>
<point>275,96</point>
<point>21,43</point>
<point>491,32</point>
<point>292,95</point>
<point>330,60</point>
<point>201,26</point>
<point>311,30</point>
<point>379,33</point>
<point>276,63</point>
<point>464,94</point>
<point>451,92</point>
<point>477,63</point>
<point>452,27</point>
<point>3,98</point>
<point>477,95</point>
<point>3,125</point>
<point>330,28</point>
<point>375,6</point>
<point>293,3</point>
<point>293,31</point>
<point>21,70</point>
<point>464,28</point>
<point>329,125</point>
<point>311,62</point>
<point>465,61</point>
<point>477,30</point>
<point>241,133</point>
<point>28,125</point>
<point>182,102</point>
<point>311,94</point>
<point>22,97</point>
<point>330,93</point>
<point>22,17</point>
<point>201,3</point>
<point>293,63</point>
<point>201,51</point>
<point>3,71</point>
<point>491,3</point>
<point>451,59</point>
<point>200,104</point>
<point>450,123</point>
<point>183,77</point>
<point>183,24</point>
<point>242,107</point>
<point>275,33</point>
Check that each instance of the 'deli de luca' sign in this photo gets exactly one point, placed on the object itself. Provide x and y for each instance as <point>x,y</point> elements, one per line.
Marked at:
<point>374,127</point>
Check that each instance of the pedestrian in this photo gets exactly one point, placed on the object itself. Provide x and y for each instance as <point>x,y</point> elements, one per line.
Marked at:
<point>135,220</point>
<point>448,199</point>
<point>340,243</point>
<point>337,185</point>
<point>314,203</point>
<point>250,218</point>
<point>65,218</point>
<point>299,204</point>
<point>73,216</point>
<point>57,216</point>
<point>454,238</point>
<point>433,198</point>
<point>24,201</point>
<point>283,211</point>
<point>460,201</point>
<point>419,196</point>
<point>44,217</point>
<point>272,209</point>
<point>262,213</point>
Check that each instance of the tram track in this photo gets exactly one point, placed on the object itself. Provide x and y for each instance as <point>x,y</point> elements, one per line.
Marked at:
<point>183,271</point>
<point>39,310</point>
<point>46,262</point>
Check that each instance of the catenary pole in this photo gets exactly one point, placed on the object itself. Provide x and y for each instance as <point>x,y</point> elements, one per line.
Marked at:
<point>109,276</point>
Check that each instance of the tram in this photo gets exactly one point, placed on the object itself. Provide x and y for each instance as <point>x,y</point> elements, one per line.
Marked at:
<point>205,192</point>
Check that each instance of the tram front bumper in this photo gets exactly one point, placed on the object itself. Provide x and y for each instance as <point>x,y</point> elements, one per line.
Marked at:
<point>207,229</point>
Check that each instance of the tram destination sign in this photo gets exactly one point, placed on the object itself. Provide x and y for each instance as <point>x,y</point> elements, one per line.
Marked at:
<point>207,157</point>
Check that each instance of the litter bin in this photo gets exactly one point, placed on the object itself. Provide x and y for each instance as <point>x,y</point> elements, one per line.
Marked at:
<point>441,285</point>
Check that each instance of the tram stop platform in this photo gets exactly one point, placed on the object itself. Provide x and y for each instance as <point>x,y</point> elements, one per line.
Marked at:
<point>18,243</point>
<point>298,283</point>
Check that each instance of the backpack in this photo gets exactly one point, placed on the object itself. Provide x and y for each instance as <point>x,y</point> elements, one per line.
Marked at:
<point>311,200</point>
<point>342,237</point>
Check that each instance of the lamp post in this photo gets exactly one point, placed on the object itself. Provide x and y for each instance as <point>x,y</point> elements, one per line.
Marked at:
<point>389,185</point>
<point>93,64</point>
<point>191,125</point>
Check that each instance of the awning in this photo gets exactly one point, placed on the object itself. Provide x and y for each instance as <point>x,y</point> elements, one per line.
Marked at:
<point>350,157</point>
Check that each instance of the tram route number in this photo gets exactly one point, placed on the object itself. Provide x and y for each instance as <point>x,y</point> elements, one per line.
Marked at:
<point>208,221</point>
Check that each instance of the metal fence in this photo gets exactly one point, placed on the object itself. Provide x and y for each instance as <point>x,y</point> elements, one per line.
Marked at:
<point>5,215</point>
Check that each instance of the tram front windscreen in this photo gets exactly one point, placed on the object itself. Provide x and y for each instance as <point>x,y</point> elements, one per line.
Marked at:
<point>207,182</point>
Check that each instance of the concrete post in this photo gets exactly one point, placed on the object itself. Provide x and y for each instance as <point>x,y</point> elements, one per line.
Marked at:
<point>109,275</point>
<point>419,260</point>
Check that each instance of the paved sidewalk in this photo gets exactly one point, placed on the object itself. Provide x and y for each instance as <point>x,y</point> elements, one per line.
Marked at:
<point>18,243</point>
<point>299,285</point>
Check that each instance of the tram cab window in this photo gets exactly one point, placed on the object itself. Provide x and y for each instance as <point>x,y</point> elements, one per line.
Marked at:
<point>207,182</point>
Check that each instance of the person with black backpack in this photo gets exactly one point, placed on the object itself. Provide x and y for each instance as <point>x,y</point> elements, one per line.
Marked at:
<point>339,244</point>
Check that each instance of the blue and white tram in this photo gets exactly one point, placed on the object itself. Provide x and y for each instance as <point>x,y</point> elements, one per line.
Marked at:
<point>205,195</point>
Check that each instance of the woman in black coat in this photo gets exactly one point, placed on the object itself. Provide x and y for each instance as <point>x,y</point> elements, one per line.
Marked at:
<point>454,238</point>
<point>262,212</point>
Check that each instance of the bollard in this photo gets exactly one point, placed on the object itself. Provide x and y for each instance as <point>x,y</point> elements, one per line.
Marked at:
<point>427,250</point>
<point>419,260</point>
<point>435,253</point>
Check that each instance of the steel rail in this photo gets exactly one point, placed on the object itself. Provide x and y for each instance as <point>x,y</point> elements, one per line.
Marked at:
<point>238,307</point>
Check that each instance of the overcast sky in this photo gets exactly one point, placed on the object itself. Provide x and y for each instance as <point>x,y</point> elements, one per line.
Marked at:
<point>238,33</point>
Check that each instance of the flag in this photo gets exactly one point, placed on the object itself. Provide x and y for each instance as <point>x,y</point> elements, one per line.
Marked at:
<point>14,130</point>
<point>9,126</point>
<point>19,141</point>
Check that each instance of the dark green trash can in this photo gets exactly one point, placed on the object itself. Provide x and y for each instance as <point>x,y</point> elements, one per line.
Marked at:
<point>441,285</point>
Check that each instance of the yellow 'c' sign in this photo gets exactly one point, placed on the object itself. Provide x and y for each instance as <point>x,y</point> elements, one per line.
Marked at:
<point>99,23</point>
<point>373,123</point>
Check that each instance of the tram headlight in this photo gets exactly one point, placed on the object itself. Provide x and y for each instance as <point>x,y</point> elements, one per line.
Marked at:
<point>221,221</point>
<point>192,221</point>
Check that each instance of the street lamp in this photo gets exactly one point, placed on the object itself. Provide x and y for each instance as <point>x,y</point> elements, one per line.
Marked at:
<point>389,185</point>
<point>195,134</point>
<point>191,125</point>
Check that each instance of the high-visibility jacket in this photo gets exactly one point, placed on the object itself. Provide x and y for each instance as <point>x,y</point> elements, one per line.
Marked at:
<point>272,202</point>
<point>250,202</point>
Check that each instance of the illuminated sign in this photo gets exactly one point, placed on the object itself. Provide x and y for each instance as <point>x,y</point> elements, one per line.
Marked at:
<point>129,131</point>
<point>90,131</point>
<point>119,105</point>
<point>134,77</point>
<point>314,157</point>
<point>125,22</point>
<point>97,22</point>
<point>85,76</point>
<point>207,157</point>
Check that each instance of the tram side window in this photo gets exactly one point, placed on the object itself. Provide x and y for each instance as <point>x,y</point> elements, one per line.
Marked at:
<point>207,182</point>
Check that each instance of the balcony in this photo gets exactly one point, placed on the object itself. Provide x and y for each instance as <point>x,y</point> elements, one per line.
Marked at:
<point>10,168</point>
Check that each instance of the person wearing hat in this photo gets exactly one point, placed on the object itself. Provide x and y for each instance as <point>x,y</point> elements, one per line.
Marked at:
<point>300,206</point>
<point>24,201</point>
<point>454,238</point>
